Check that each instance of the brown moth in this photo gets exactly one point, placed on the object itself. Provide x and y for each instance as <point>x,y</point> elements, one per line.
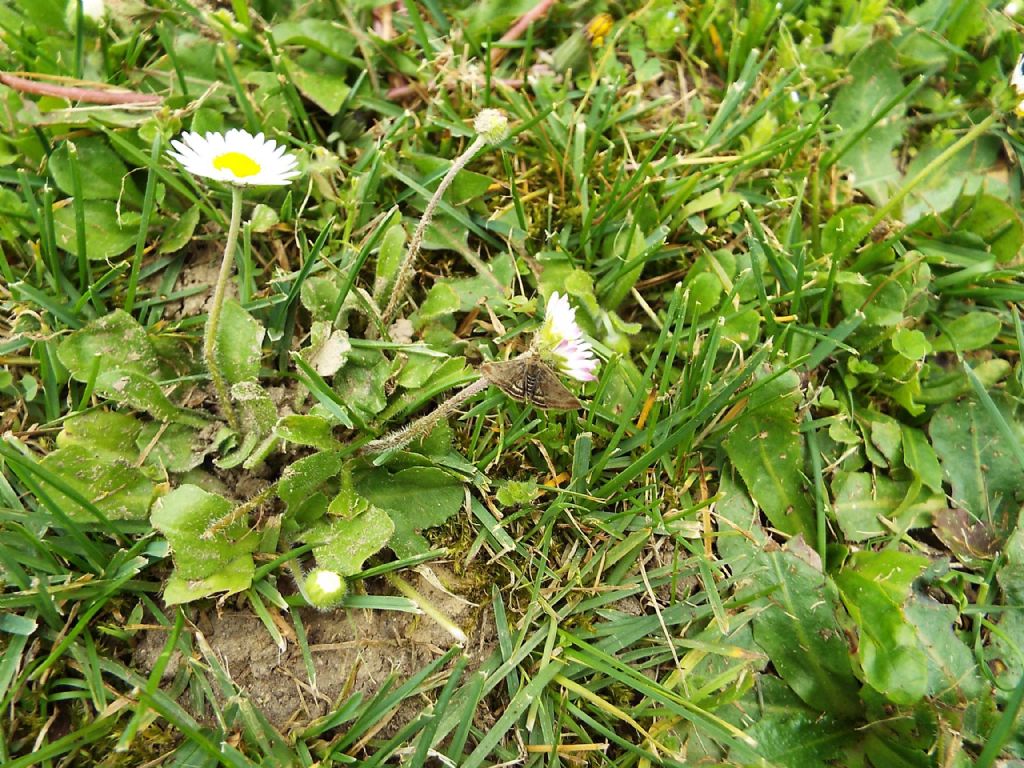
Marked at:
<point>530,380</point>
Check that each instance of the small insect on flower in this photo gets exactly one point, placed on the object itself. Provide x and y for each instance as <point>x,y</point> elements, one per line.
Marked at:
<point>236,157</point>
<point>560,339</point>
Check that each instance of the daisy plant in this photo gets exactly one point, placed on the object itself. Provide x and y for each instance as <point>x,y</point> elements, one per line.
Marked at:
<point>241,160</point>
<point>558,346</point>
<point>491,126</point>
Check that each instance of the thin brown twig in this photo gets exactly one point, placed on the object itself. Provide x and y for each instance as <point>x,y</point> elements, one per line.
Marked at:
<point>75,93</point>
<point>418,89</point>
<point>522,24</point>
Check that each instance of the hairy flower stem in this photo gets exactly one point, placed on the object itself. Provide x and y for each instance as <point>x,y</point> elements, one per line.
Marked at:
<point>213,319</point>
<point>405,270</point>
<point>424,424</point>
<point>427,607</point>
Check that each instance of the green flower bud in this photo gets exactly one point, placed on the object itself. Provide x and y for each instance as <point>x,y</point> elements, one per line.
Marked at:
<point>492,125</point>
<point>325,589</point>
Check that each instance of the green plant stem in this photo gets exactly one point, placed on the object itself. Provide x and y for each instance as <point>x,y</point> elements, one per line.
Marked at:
<point>422,426</point>
<point>213,320</point>
<point>405,270</point>
<point>427,607</point>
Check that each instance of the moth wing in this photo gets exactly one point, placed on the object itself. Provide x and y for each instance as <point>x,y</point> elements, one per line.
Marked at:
<point>508,376</point>
<point>550,392</point>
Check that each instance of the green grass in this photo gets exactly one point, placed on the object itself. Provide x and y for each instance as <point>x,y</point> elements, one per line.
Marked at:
<point>783,530</point>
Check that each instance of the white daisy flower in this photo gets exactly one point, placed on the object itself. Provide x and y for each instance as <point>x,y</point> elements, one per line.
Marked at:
<point>236,157</point>
<point>1017,78</point>
<point>561,339</point>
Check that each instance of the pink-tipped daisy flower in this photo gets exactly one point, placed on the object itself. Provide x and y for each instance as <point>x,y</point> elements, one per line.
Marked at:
<point>560,339</point>
<point>236,157</point>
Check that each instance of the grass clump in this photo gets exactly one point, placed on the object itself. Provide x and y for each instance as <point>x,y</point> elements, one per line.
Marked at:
<point>773,252</point>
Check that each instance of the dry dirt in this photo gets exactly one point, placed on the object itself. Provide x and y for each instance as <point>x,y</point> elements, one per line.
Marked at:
<point>352,650</point>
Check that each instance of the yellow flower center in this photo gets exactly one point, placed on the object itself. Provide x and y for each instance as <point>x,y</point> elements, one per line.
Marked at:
<point>239,164</point>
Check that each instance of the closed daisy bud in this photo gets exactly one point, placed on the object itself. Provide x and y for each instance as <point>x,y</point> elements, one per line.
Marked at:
<point>491,125</point>
<point>324,588</point>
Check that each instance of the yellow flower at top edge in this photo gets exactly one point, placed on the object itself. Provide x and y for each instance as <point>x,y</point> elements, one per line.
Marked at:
<point>598,28</point>
<point>235,157</point>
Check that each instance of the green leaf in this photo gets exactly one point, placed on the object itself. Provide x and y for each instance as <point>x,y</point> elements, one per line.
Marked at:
<point>392,249</point>
<point>1005,652</point>
<point>741,540</point>
<point>258,414</point>
<point>462,294</point>
<point>342,545</point>
<point>115,354</point>
<point>98,457</point>
<point>766,447</point>
<point>309,430</point>
<point>113,342</point>
<point>516,493</point>
<point>184,515</point>
<point>361,382</point>
<point>975,330</point>
<point>953,675</point>
<point>861,499</point>
<point>742,329</point>
<point>327,91</point>
<point>118,488</point>
<point>175,447</point>
<point>328,37</point>
<point>108,434</point>
<point>919,457</point>
<point>319,295</point>
<point>300,479</point>
<point>887,437</point>
<point>264,218</point>
<point>104,174</point>
<point>142,392</point>
<point>801,634</point>
<point>874,587</point>
<point>415,498</point>
<point>442,300</point>
<point>997,223</point>
<point>232,577</point>
<point>873,79</point>
<point>106,235</point>
<point>985,476</point>
<point>179,234</point>
<point>466,186</point>
<point>881,299</point>
<point>787,732</point>
<point>911,343</point>
<point>239,344</point>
